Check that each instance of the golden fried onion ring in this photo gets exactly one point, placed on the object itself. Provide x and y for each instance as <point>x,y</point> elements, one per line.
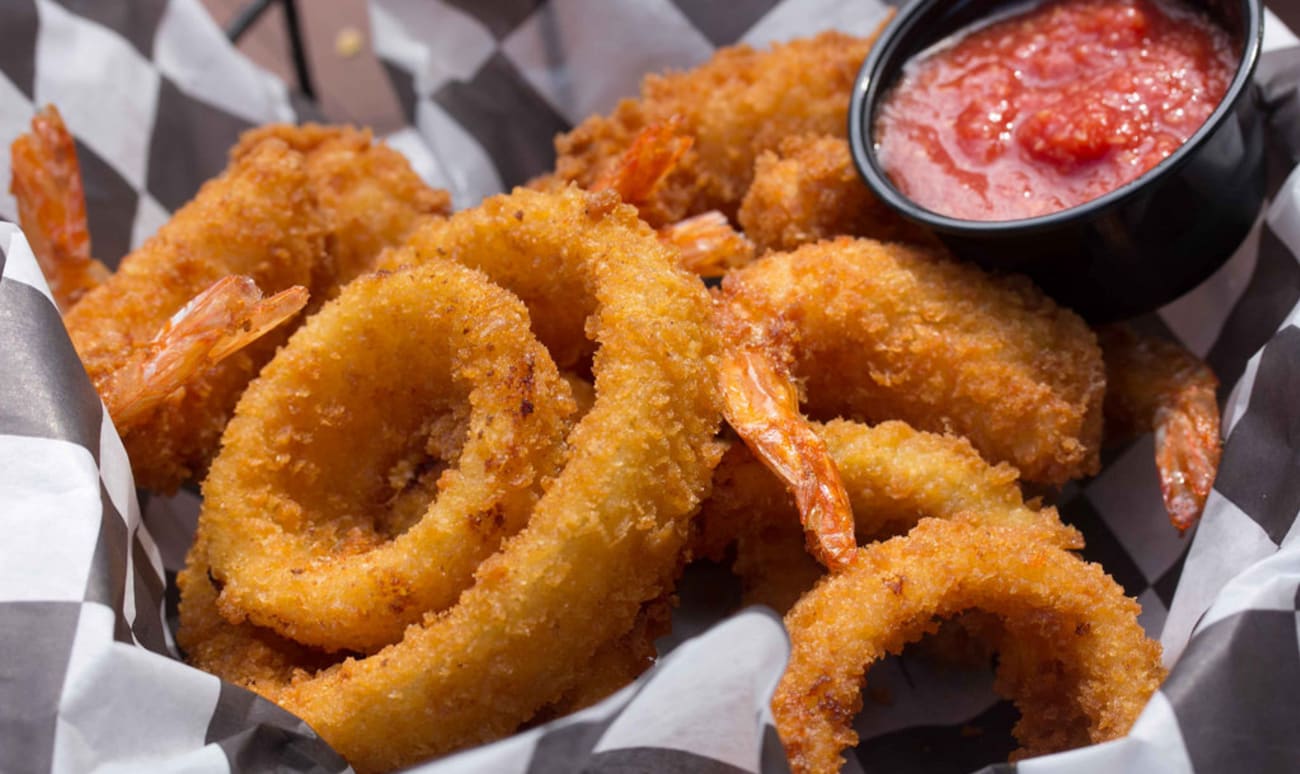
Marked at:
<point>607,535</point>
<point>334,425</point>
<point>1080,666</point>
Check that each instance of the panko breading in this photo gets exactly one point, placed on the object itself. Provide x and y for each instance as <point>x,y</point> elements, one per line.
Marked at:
<point>367,193</point>
<point>246,655</point>
<point>877,331</point>
<point>894,476</point>
<point>735,106</point>
<point>808,190</point>
<point>257,219</point>
<point>1075,659</point>
<point>615,664</point>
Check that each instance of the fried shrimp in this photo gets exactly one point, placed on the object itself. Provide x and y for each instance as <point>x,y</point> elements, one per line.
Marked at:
<point>706,244</point>
<point>46,183</point>
<point>808,190</point>
<point>894,475</point>
<point>654,153</point>
<point>225,317</point>
<point>1154,384</point>
<point>248,656</point>
<point>258,219</point>
<point>735,106</point>
<point>1080,667</point>
<point>608,533</point>
<point>299,206</point>
<point>873,332</point>
<point>320,443</point>
<point>368,195</point>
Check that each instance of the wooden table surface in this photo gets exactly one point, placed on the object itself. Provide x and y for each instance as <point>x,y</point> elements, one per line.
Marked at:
<point>350,88</point>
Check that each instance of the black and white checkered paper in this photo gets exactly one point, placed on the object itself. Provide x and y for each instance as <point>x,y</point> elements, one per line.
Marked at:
<point>89,676</point>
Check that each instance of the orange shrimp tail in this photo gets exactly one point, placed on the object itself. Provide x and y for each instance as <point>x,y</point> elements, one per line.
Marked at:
<point>761,404</point>
<point>228,316</point>
<point>46,182</point>
<point>1153,384</point>
<point>1187,454</point>
<point>648,160</point>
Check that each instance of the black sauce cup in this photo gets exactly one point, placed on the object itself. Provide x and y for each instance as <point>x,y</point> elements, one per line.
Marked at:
<point>1124,253</point>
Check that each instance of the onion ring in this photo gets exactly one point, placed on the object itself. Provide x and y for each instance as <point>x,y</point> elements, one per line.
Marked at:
<point>605,538</point>
<point>1066,618</point>
<point>1153,384</point>
<point>248,656</point>
<point>608,534</point>
<point>894,475</point>
<point>261,660</point>
<point>318,442</point>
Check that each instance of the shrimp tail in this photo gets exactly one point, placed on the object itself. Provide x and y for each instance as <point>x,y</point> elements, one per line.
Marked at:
<point>228,316</point>
<point>761,403</point>
<point>707,244</point>
<point>46,182</point>
<point>1153,384</point>
<point>653,154</point>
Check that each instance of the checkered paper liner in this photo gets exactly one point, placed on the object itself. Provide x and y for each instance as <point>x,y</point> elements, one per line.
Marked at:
<point>89,675</point>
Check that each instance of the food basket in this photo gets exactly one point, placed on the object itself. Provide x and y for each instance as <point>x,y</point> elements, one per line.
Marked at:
<point>89,674</point>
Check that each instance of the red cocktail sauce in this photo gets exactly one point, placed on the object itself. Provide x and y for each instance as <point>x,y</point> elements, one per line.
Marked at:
<point>1052,107</point>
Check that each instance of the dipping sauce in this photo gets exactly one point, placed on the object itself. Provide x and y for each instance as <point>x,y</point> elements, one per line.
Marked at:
<point>1051,107</point>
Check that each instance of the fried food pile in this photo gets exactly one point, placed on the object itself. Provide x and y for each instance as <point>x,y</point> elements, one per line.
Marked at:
<point>429,648</point>
<point>454,465</point>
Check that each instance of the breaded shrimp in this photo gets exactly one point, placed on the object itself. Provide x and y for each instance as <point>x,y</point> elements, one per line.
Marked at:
<point>367,194</point>
<point>225,318</point>
<point>735,106</point>
<point>654,153</point>
<point>893,474</point>
<point>299,206</point>
<point>706,244</point>
<point>809,190</point>
<point>873,332</point>
<point>257,219</point>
